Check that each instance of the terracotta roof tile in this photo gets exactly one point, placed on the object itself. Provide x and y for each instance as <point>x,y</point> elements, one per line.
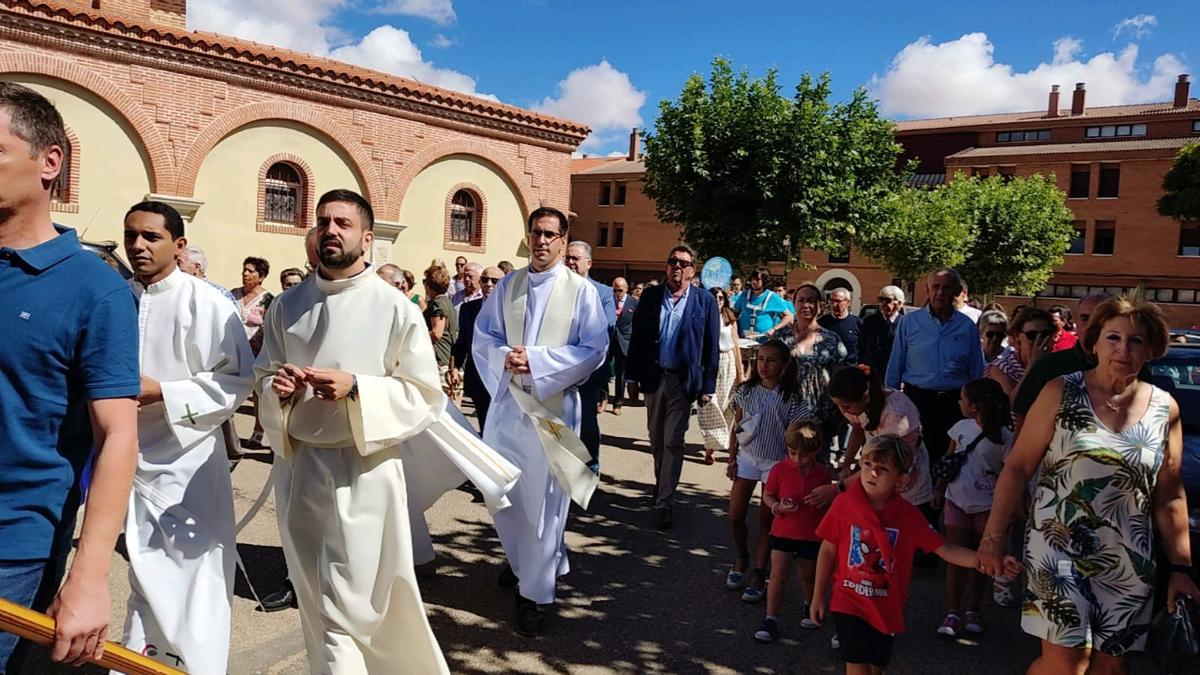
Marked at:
<point>620,165</point>
<point>582,164</point>
<point>1092,114</point>
<point>1073,148</point>
<point>284,59</point>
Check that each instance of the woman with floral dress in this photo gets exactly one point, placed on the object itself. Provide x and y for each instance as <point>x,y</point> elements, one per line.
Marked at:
<point>252,303</point>
<point>1109,448</point>
<point>816,353</point>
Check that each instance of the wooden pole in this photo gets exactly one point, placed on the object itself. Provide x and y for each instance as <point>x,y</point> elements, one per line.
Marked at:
<point>39,628</point>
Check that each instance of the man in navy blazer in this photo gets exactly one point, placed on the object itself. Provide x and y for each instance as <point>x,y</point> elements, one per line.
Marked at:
<point>618,347</point>
<point>673,356</point>
<point>460,352</point>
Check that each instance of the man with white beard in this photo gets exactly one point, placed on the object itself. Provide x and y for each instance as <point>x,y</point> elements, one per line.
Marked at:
<point>179,531</point>
<point>348,381</point>
<point>539,335</point>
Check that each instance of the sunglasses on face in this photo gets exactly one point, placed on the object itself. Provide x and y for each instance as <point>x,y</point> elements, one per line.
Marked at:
<point>1035,334</point>
<point>489,280</point>
<point>995,334</point>
<point>544,234</point>
<point>885,300</point>
<point>679,262</point>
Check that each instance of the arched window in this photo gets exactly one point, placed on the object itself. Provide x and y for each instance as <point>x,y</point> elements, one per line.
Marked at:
<point>463,210</point>
<point>283,194</point>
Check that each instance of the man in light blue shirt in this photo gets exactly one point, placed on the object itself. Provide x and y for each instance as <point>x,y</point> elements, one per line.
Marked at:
<point>936,352</point>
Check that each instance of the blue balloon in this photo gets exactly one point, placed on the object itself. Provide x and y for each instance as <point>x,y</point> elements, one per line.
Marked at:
<point>717,272</point>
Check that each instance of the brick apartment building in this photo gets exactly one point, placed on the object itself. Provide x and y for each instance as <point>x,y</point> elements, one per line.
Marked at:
<point>243,137</point>
<point>1109,161</point>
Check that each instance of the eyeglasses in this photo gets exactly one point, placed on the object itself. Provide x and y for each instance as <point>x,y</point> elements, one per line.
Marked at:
<point>883,299</point>
<point>996,335</point>
<point>679,262</point>
<point>1035,334</point>
<point>575,258</point>
<point>489,280</point>
<point>544,234</point>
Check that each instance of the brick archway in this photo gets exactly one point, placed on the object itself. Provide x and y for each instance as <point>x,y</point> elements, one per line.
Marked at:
<point>162,167</point>
<point>511,171</point>
<point>235,119</point>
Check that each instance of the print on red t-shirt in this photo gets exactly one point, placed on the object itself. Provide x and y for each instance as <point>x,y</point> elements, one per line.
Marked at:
<point>874,555</point>
<point>786,481</point>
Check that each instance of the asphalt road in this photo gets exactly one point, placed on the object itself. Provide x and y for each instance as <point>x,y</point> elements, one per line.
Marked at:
<point>636,601</point>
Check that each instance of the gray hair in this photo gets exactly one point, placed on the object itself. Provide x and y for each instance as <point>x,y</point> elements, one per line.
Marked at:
<point>587,248</point>
<point>893,292</point>
<point>194,254</point>
<point>473,267</point>
<point>992,316</point>
<point>839,290</point>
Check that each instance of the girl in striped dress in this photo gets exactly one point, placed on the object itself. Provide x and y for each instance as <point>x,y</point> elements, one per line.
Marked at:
<point>763,408</point>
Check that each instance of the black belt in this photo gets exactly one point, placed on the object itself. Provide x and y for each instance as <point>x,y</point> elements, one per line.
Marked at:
<point>914,389</point>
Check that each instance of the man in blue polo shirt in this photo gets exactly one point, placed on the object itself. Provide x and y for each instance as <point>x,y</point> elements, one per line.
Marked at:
<point>68,383</point>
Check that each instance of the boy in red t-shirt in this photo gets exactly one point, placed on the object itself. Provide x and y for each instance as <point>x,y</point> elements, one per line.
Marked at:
<point>794,527</point>
<point>870,535</point>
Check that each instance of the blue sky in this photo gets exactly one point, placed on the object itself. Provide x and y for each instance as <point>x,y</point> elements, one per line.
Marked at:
<point>608,64</point>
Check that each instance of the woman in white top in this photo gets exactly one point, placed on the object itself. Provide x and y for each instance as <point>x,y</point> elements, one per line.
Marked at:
<point>717,416</point>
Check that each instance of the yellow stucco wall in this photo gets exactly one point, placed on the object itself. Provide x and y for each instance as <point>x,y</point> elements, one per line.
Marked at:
<point>423,211</point>
<point>113,171</point>
<point>228,185</point>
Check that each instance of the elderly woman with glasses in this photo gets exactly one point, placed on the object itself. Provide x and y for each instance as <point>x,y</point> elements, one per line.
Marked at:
<point>993,329</point>
<point>1030,336</point>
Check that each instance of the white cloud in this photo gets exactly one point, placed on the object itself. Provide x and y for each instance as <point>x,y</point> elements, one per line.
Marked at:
<point>307,26</point>
<point>1139,26</point>
<point>440,41</point>
<point>600,96</point>
<point>440,12</point>
<point>962,77</point>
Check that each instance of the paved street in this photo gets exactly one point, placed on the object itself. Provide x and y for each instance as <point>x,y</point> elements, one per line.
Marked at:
<point>637,600</point>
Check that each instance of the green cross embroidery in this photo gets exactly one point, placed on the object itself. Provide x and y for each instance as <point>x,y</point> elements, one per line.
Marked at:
<point>190,416</point>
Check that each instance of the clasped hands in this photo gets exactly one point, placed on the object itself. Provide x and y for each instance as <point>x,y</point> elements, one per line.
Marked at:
<point>517,361</point>
<point>328,384</point>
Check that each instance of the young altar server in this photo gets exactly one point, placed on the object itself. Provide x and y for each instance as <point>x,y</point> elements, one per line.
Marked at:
<point>349,388</point>
<point>540,334</point>
<point>197,369</point>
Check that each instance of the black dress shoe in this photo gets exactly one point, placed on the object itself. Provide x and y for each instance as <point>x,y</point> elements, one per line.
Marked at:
<point>529,618</point>
<point>663,520</point>
<point>284,598</point>
<point>507,578</point>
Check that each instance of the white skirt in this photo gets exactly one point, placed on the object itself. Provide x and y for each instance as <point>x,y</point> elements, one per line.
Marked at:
<point>716,418</point>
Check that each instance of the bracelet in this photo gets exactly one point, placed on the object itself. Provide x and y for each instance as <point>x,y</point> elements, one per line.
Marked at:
<point>993,536</point>
<point>1186,570</point>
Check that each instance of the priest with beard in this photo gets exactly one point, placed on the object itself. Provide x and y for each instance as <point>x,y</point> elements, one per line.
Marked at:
<point>539,336</point>
<point>354,409</point>
<point>197,369</point>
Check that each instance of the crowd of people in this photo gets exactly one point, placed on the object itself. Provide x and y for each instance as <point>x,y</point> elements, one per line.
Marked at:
<point>1033,447</point>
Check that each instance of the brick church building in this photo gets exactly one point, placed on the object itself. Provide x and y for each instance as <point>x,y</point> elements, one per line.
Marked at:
<point>243,137</point>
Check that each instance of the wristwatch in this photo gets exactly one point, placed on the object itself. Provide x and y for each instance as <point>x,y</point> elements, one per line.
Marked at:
<point>353,395</point>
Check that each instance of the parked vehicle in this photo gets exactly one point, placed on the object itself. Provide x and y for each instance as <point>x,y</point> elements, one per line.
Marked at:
<point>107,251</point>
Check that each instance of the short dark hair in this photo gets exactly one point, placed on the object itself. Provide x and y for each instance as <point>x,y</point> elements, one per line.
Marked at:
<point>32,118</point>
<point>682,248</point>
<point>171,218</point>
<point>549,212</point>
<point>761,273</point>
<point>351,197</point>
<point>260,265</point>
<point>291,272</point>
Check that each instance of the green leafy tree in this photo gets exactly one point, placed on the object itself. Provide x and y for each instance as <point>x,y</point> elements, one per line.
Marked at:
<point>919,235</point>
<point>752,175</point>
<point>1181,186</point>
<point>1020,229</point>
<point>1002,234</point>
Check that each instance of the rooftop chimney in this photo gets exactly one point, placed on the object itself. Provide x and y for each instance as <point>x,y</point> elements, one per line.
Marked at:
<point>1181,91</point>
<point>1077,99</point>
<point>635,150</point>
<point>1052,109</point>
